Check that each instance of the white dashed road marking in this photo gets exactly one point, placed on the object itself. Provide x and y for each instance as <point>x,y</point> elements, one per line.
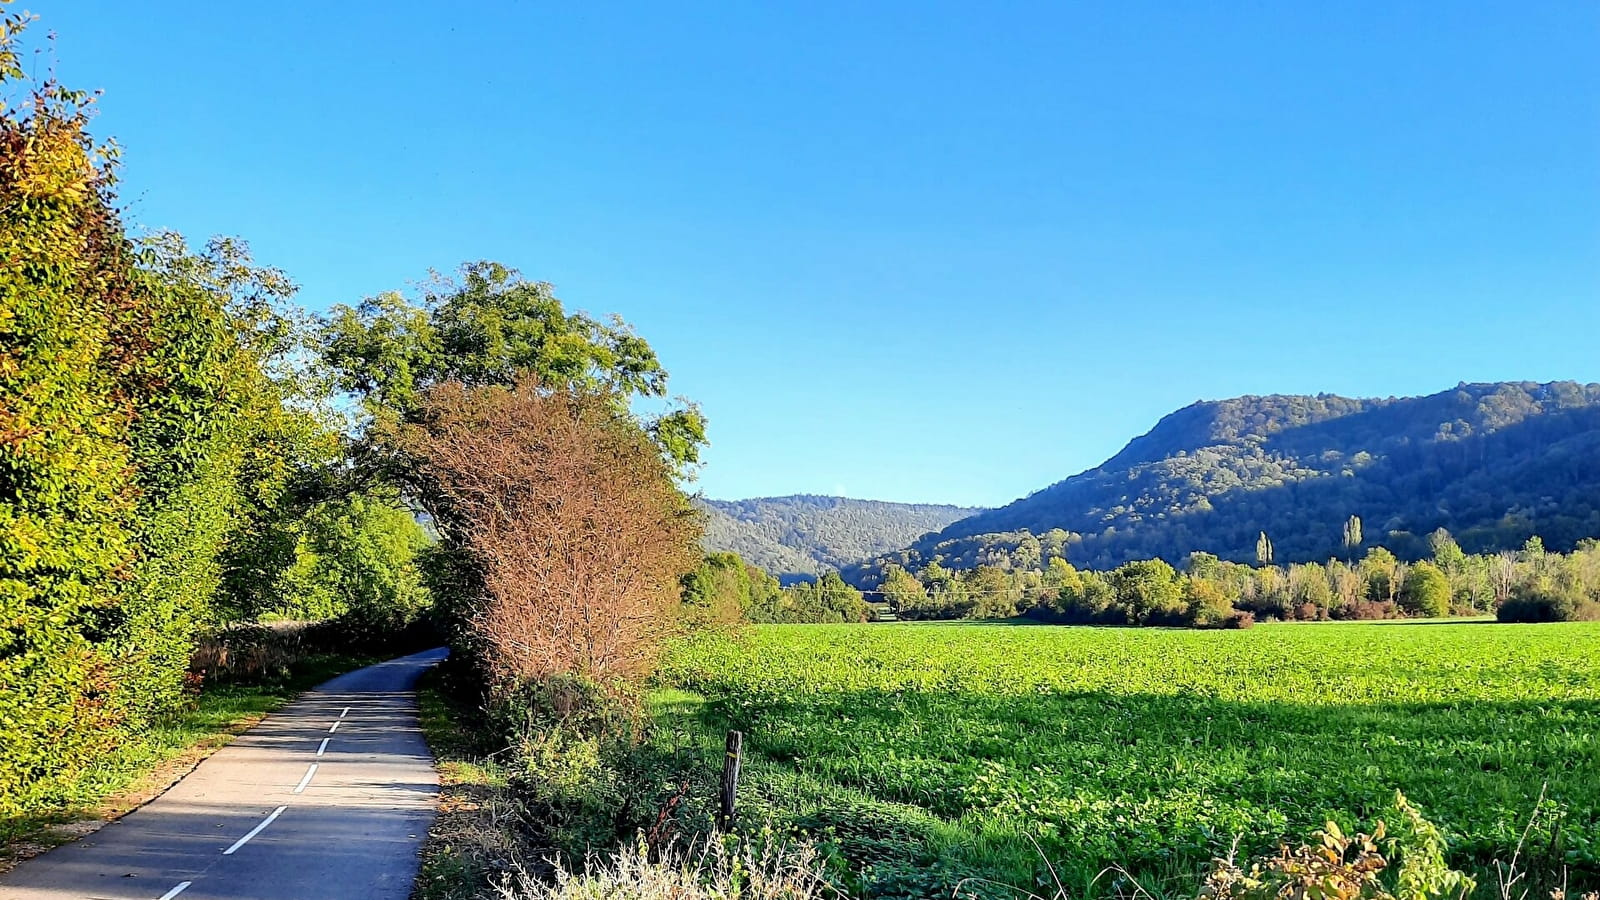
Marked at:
<point>254,831</point>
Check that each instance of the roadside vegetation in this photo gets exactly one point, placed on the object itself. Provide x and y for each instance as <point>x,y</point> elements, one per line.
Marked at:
<point>177,482</point>
<point>479,827</point>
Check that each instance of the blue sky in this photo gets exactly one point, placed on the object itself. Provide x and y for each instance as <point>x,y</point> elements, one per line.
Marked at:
<point>910,251</point>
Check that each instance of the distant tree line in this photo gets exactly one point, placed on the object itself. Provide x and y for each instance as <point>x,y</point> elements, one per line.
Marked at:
<point>725,589</point>
<point>1526,585</point>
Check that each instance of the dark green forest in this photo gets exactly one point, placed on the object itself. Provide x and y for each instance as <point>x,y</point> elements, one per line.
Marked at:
<point>806,534</point>
<point>1494,464</point>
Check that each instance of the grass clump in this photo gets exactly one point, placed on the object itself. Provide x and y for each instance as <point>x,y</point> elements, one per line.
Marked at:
<point>480,825</point>
<point>722,869</point>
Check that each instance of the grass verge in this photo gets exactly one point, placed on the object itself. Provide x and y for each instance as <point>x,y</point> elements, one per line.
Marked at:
<point>139,771</point>
<point>475,834</point>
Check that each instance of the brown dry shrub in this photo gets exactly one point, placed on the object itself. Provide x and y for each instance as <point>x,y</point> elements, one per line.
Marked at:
<point>1369,610</point>
<point>1239,620</point>
<point>570,517</point>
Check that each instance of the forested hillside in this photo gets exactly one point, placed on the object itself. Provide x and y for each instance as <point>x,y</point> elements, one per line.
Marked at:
<point>806,534</point>
<point>1492,463</point>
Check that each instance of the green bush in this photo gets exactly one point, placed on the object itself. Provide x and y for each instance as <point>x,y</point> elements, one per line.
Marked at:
<point>144,415</point>
<point>67,395</point>
<point>356,558</point>
<point>1426,591</point>
<point>585,774</point>
<point>1542,600</point>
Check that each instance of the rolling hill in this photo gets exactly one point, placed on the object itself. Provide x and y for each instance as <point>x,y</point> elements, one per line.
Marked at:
<point>1492,463</point>
<point>807,535</point>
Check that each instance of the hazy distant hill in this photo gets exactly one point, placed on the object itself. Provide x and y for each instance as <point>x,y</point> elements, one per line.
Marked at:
<point>806,534</point>
<point>1493,463</point>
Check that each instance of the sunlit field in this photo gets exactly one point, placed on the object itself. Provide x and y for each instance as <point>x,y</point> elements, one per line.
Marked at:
<point>923,755</point>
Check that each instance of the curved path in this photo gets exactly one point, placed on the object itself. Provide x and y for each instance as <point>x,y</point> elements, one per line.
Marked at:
<point>329,797</point>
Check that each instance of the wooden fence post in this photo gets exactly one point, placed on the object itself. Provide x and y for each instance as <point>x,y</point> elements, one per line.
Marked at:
<point>730,780</point>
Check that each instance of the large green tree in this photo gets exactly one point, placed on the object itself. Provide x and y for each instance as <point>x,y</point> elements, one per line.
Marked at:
<point>490,326</point>
<point>995,594</point>
<point>901,590</point>
<point>1149,589</point>
<point>726,589</point>
<point>1426,591</point>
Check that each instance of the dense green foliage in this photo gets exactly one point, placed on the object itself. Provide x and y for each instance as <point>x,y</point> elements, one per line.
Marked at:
<point>358,558</point>
<point>1493,463</point>
<point>126,383</point>
<point>809,535</point>
<point>1530,585</point>
<point>492,327</point>
<point>927,754</point>
<point>157,423</point>
<point>726,589</point>
<point>67,505</point>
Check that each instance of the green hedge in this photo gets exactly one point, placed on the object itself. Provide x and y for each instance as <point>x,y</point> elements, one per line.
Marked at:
<point>67,501</point>
<point>120,386</point>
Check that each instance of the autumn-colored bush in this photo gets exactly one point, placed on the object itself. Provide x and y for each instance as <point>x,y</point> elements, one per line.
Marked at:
<point>1337,867</point>
<point>570,534</point>
<point>1239,621</point>
<point>1368,610</point>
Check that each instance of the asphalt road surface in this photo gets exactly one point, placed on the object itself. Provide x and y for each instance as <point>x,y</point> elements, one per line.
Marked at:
<point>330,797</point>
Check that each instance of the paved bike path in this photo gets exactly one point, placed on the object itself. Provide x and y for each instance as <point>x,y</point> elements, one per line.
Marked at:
<point>330,797</point>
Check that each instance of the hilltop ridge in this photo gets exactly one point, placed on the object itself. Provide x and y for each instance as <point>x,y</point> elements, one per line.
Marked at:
<point>1492,462</point>
<point>807,534</point>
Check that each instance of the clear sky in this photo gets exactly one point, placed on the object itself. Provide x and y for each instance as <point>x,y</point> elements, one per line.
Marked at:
<point>911,251</point>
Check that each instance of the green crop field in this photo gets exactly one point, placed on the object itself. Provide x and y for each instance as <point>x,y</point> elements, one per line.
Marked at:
<point>927,754</point>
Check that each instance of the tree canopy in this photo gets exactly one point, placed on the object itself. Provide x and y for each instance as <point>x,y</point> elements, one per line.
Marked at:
<point>490,326</point>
